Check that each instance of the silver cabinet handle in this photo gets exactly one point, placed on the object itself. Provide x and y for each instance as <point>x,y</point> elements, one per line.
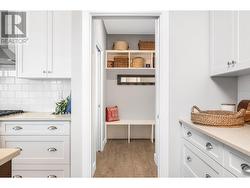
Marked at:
<point>207,176</point>
<point>52,149</point>
<point>229,63</point>
<point>17,176</point>
<point>209,146</point>
<point>19,148</point>
<point>44,71</point>
<point>17,128</point>
<point>234,62</point>
<point>245,168</point>
<point>189,159</point>
<point>52,127</point>
<point>51,176</point>
<point>189,134</point>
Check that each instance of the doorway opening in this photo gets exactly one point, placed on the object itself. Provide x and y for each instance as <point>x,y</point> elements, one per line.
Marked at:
<point>125,96</point>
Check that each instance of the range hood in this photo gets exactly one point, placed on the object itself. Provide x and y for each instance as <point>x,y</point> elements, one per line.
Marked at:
<point>7,57</point>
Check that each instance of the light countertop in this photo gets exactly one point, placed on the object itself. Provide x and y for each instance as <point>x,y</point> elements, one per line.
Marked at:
<point>236,138</point>
<point>7,154</point>
<point>36,116</point>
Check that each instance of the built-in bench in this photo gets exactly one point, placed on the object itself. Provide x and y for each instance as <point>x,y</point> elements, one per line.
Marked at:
<point>130,123</point>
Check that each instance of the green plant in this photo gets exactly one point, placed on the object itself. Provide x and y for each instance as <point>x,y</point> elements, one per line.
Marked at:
<point>61,106</point>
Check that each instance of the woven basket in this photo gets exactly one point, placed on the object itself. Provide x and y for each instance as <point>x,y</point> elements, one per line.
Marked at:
<point>138,62</point>
<point>146,45</point>
<point>120,61</point>
<point>120,45</point>
<point>218,118</point>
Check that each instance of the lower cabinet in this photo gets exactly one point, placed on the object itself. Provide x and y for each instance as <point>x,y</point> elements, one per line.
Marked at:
<point>203,156</point>
<point>44,145</point>
<point>40,171</point>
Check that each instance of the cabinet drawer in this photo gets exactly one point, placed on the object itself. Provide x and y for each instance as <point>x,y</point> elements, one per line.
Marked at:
<point>211,147</point>
<point>39,149</point>
<point>194,166</point>
<point>237,163</point>
<point>35,128</point>
<point>40,171</point>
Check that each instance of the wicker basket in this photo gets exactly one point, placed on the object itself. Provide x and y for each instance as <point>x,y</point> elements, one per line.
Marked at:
<point>120,61</point>
<point>218,118</point>
<point>245,104</point>
<point>110,63</point>
<point>138,62</point>
<point>120,45</point>
<point>146,45</point>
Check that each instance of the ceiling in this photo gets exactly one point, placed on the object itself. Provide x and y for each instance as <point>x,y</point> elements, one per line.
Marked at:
<point>129,26</point>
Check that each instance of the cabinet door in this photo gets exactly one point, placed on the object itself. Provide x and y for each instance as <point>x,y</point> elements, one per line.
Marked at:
<point>33,55</point>
<point>222,33</point>
<point>60,67</point>
<point>243,36</point>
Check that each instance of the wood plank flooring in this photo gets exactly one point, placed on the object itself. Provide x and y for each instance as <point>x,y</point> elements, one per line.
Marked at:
<point>120,159</point>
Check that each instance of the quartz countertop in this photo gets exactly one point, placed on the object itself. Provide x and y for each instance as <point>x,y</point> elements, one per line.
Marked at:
<point>35,116</point>
<point>7,154</point>
<point>236,138</point>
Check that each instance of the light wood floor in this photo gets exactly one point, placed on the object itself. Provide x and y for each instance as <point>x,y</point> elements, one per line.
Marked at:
<point>120,159</point>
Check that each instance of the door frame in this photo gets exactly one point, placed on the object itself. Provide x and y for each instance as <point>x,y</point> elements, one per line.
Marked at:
<point>162,121</point>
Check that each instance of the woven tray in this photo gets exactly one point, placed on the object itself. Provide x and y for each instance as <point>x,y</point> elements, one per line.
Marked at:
<point>218,118</point>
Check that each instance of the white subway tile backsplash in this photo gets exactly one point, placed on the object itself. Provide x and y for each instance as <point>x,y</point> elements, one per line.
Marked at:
<point>32,95</point>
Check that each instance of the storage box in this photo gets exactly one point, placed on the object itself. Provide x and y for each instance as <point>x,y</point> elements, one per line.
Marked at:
<point>121,61</point>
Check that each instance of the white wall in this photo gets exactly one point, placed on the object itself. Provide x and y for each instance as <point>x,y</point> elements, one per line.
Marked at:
<point>134,101</point>
<point>99,38</point>
<point>32,95</point>
<point>243,87</point>
<point>79,143</point>
<point>131,39</point>
<point>190,83</point>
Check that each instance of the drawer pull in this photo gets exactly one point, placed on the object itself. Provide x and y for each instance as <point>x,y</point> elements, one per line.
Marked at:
<point>17,176</point>
<point>207,176</point>
<point>209,146</point>
<point>51,176</point>
<point>19,148</point>
<point>17,128</point>
<point>245,168</point>
<point>52,149</point>
<point>189,159</point>
<point>52,128</point>
<point>189,134</point>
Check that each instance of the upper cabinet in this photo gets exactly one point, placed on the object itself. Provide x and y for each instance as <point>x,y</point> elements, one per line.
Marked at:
<point>229,43</point>
<point>47,52</point>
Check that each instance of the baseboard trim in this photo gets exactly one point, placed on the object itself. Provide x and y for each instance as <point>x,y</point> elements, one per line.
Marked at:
<point>103,144</point>
<point>155,159</point>
<point>93,168</point>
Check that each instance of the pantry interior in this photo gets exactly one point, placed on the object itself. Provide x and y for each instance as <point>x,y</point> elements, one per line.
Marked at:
<point>123,78</point>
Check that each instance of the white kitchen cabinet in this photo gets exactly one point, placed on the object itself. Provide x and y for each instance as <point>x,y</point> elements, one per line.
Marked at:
<point>219,160</point>
<point>229,43</point>
<point>222,40</point>
<point>47,53</point>
<point>32,57</point>
<point>44,145</point>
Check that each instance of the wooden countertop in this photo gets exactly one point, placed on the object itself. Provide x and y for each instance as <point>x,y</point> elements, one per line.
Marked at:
<point>7,154</point>
<point>236,138</point>
<point>36,116</point>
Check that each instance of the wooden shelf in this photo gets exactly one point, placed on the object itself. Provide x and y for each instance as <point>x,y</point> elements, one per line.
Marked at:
<point>148,55</point>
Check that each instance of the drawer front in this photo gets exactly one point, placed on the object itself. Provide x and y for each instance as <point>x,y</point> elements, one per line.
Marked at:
<point>237,163</point>
<point>35,128</point>
<point>39,149</point>
<point>208,145</point>
<point>40,171</point>
<point>193,166</point>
